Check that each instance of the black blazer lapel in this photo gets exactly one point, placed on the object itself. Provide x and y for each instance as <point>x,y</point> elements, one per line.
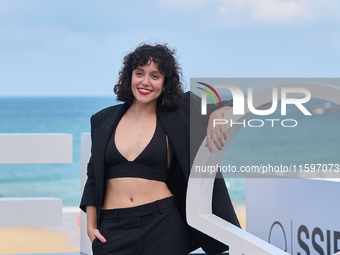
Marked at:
<point>101,136</point>
<point>175,128</point>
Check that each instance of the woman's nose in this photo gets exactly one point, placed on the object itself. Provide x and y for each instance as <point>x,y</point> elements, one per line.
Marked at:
<point>145,80</point>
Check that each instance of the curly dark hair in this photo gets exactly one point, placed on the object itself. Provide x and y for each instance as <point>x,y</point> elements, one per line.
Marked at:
<point>172,96</point>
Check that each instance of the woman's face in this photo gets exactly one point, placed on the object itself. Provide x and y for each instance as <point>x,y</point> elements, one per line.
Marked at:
<point>147,83</point>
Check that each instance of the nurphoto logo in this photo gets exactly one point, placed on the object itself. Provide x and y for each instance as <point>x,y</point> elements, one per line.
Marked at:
<point>278,94</point>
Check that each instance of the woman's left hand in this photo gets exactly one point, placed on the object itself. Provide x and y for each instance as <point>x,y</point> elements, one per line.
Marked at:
<point>217,133</point>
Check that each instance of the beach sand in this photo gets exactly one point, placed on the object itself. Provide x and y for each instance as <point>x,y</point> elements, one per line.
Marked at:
<point>63,239</point>
<point>25,240</point>
<point>241,215</point>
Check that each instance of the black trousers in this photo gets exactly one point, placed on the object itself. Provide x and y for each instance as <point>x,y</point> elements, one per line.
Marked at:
<point>150,229</point>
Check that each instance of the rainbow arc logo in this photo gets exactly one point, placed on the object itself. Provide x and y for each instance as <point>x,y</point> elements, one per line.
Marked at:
<point>209,93</point>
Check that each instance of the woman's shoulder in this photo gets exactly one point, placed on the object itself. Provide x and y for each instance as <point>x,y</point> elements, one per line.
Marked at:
<point>108,110</point>
<point>184,101</point>
<point>189,96</point>
<point>185,105</point>
<point>104,113</point>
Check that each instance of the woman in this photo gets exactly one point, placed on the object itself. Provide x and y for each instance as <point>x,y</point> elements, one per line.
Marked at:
<point>137,175</point>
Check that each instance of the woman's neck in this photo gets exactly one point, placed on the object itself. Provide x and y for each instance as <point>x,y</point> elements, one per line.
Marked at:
<point>139,110</point>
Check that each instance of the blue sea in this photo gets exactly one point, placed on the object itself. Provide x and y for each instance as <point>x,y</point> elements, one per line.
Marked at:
<point>314,140</point>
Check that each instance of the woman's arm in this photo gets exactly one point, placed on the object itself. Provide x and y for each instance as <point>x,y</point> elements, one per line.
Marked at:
<point>218,133</point>
<point>88,199</point>
<point>92,228</point>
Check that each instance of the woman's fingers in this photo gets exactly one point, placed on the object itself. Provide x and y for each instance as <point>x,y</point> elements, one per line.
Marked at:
<point>101,238</point>
<point>208,143</point>
<point>223,132</point>
<point>98,235</point>
<point>215,135</point>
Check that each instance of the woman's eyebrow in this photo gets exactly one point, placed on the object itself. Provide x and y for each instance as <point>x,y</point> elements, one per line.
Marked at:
<point>141,69</point>
<point>156,72</point>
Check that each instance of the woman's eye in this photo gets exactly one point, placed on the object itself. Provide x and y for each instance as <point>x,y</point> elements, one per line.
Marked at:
<point>139,74</point>
<point>155,77</point>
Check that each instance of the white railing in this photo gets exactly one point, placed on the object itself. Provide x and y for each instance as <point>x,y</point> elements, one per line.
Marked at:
<point>33,149</point>
<point>85,244</point>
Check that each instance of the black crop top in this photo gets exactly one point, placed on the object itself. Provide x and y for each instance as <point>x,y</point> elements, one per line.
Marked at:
<point>150,164</point>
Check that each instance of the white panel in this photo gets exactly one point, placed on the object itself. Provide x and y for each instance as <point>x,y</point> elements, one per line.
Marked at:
<point>85,244</point>
<point>30,212</point>
<point>35,148</point>
<point>289,211</point>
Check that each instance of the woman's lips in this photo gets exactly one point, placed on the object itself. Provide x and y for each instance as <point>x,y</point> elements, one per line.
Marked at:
<point>144,92</point>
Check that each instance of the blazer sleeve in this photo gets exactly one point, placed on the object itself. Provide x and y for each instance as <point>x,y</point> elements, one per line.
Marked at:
<point>89,197</point>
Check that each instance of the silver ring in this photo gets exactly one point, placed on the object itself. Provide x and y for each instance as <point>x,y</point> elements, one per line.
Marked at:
<point>209,137</point>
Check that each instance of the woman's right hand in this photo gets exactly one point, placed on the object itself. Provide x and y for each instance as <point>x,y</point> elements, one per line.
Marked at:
<point>92,230</point>
<point>216,133</point>
<point>94,233</point>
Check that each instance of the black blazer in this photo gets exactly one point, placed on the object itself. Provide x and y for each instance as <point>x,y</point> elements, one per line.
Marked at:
<point>176,124</point>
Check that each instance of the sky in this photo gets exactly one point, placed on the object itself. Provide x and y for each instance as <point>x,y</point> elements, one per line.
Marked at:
<point>75,48</point>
